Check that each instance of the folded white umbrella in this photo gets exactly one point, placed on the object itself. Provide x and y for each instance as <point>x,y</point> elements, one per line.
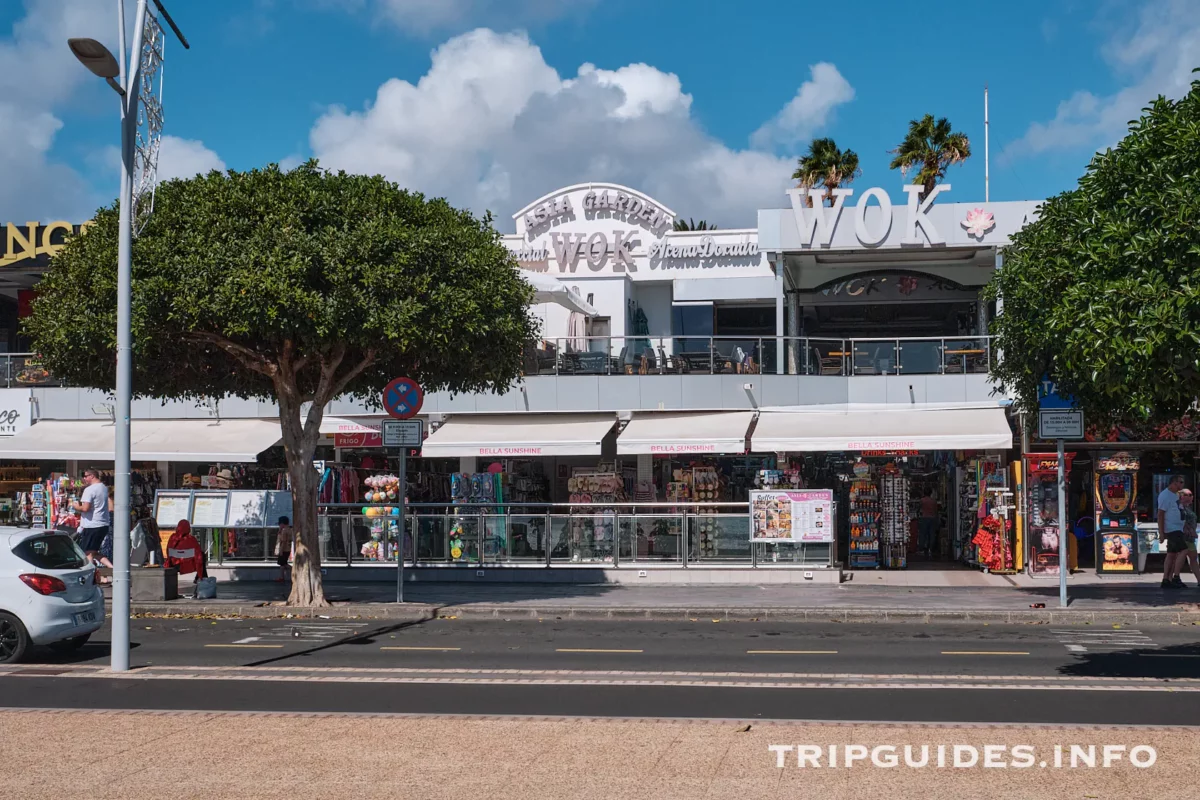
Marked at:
<point>548,289</point>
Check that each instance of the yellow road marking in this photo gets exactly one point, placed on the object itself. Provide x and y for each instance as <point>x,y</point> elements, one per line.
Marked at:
<point>793,652</point>
<point>251,646</point>
<point>985,653</point>
<point>439,649</point>
<point>586,650</point>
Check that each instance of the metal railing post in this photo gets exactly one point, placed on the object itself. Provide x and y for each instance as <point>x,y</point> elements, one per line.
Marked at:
<point>712,356</point>
<point>686,540</point>
<point>549,532</point>
<point>348,539</point>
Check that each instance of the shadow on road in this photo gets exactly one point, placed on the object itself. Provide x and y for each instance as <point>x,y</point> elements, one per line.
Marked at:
<point>1177,661</point>
<point>360,638</point>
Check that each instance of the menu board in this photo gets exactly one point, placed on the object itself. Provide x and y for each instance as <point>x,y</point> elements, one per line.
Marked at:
<point>792,516</point>
<point>209,510</point>
<point>247,509</point>
<point>171,507</point>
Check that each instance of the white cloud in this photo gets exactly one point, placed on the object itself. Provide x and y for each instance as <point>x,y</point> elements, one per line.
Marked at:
<point>1154,54</point>
<point>492,126</point>
<point>810,110</point>
<point>37,75</point>
<point>185,158</point>
<point>426,16</point>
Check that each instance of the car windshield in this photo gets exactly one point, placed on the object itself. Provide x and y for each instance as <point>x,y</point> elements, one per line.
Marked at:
<point>52,551</point>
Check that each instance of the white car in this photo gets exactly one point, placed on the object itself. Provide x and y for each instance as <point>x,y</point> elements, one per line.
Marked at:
<point>48,594</point>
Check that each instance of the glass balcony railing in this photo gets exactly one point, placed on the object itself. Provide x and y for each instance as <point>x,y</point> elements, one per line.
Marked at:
<point>695,355</point>
<point>767,355</point>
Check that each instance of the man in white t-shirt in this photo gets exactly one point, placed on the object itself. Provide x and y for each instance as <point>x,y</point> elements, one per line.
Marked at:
<point>1170,530</point>
<point>94,519</point>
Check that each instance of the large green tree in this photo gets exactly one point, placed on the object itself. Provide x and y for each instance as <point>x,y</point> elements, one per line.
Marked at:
<point>1102,292</point>
<point>930,147</point>
<point>297,287</point>
<point>826,164</point>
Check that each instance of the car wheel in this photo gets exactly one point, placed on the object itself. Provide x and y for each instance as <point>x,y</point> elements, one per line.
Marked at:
<point>70,645</point>
<point>14,639</point>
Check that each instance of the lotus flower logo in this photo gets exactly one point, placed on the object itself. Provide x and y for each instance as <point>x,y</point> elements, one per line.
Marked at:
<point>978,222</point>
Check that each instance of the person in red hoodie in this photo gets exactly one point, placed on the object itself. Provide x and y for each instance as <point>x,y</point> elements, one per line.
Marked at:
<point>183,551</point>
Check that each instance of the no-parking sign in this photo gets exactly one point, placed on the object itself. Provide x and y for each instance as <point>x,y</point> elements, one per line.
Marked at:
<point>402,398</point>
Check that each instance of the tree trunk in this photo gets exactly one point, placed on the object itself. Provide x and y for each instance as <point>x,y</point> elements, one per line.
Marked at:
<point>299,446</point>
<point>307,586</point>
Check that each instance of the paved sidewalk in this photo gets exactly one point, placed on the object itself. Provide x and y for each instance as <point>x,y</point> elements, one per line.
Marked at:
<point>1129,601</point>
<point>299,756</point>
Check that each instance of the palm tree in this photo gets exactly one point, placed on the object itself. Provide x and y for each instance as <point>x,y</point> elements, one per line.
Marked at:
<point>930,147</point>
<point>691,225</point>
<point>826,165</point>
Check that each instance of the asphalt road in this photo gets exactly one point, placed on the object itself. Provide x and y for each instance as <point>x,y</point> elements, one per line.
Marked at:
<point>848,672</point>
<point>827,648</point>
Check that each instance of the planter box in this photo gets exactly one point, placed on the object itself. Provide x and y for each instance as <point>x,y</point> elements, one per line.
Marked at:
<point>148,584</point>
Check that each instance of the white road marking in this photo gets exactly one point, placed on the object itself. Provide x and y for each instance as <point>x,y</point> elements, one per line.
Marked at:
<point>248,640</point>
<point>1083,641</point>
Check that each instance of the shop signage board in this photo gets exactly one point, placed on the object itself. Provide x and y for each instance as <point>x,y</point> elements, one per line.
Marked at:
<point>14,411</point>
<point>403,432</point>
<point>1060,424</point>
<point>402,398</point>
<point>804,515</point>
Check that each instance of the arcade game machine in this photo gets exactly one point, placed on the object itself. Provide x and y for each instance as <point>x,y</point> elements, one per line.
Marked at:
<point>1116,512</point>
<point>1040,521</point>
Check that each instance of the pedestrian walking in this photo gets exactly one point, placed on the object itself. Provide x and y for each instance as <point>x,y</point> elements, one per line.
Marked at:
<point>1170,531</point>
<point>95,521</point>
<point>283,548</point>
<point>1188,512</point>
<point>927,524</point>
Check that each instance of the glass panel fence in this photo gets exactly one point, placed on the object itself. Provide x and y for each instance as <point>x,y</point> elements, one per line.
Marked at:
<point>920,356</point>
<point>651,538</point>
<point>718,538</point>
<point>968,355</point>
<point>793,553</point>
<point>583,539</point>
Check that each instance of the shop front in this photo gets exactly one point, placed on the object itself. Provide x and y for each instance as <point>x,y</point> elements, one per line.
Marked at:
<point>913,485</point>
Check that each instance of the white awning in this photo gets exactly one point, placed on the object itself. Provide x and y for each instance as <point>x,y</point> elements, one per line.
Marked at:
<point>887,428</point>
<point>548,289</point>
<point>334,425</point>
<point>670,432</point>
<point>519,435</point>
<point>199,440</point>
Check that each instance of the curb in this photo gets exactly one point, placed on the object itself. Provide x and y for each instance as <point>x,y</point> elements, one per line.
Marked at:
<point>416,612</point>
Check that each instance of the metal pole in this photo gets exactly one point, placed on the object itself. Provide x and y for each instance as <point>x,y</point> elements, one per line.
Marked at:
<point>403,524</point>
<point>1063,550</point>
<point>986,159</point>
<point>121,456</point>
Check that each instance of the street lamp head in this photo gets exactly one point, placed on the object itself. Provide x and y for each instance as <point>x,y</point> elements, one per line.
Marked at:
<point>96,57</point>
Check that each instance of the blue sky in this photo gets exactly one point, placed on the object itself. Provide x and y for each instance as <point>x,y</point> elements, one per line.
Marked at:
<point>703,104</point>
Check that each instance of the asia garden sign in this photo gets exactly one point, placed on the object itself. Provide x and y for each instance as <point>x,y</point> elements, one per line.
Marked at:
<point>607,229</point>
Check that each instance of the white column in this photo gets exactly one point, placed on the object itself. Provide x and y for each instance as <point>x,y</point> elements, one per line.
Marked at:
<point>779,332</point>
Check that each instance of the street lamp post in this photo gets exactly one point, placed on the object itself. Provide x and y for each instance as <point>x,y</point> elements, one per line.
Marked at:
<point>126,82</point>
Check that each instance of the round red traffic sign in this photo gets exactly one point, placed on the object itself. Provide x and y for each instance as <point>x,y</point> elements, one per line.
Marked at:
<point>402,398</point>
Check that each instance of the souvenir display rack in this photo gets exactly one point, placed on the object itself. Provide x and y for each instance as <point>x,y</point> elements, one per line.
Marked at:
<point>894,518</point>
<point>864,519</point>
<point>593,526</point>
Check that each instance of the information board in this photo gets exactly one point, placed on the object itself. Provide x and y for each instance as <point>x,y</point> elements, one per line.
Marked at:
<point>209,510</point>
<point>279,504</point>
<point>247,509</point>
<point>171,507</point>
<point>800,515</point>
